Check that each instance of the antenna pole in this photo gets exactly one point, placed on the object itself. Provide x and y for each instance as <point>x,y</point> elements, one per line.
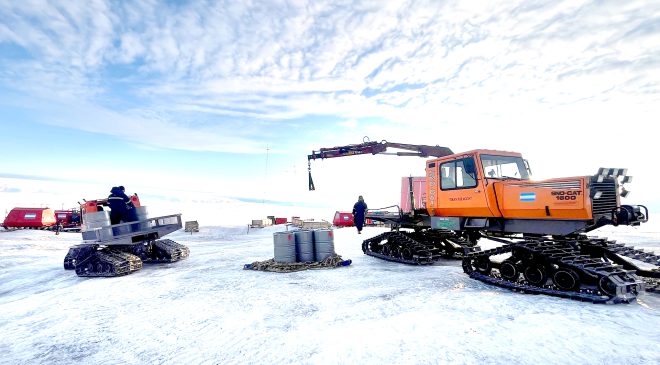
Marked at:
<point>263,199</point>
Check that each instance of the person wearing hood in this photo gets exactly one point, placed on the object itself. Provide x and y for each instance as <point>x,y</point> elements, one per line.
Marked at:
<point>121,206</point>
<point>359,210</point>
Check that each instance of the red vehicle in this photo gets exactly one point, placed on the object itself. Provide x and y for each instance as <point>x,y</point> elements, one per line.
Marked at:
<point>280,220</point>
<point>343,219</point>
<point>34,218</point>
<point>68,218</point>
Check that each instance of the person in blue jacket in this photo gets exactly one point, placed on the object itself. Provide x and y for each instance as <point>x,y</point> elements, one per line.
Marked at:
<point>359,210</point>
<point>121,206</point>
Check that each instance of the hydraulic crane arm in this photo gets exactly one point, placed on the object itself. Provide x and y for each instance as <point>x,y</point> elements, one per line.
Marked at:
<point>375,148</point>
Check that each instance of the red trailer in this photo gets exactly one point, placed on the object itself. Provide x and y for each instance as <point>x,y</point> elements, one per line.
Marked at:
<point>30,218</point>
<point>280,220</point>
<point>343,219</point>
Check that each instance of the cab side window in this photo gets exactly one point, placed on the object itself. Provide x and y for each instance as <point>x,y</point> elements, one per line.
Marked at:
<point>458,174</point>
<point>448,176</point>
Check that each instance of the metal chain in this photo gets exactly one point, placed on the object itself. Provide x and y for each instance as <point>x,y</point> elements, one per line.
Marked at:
<point>274,266</point>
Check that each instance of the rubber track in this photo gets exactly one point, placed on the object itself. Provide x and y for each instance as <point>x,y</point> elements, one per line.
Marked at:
<point>75,252</point>
<point>563,253</point>
<point>652,277</point>
<point>401,240</point>
<point>168,251</point>
<point>422,252</point>
<point>108,263</point>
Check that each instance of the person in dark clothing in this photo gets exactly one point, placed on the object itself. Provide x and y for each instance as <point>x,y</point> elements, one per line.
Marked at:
<point>121,207</point>
<point>131,212</point>
<point>58,228</point>
<point>359,210</point>
<point>75,219</point>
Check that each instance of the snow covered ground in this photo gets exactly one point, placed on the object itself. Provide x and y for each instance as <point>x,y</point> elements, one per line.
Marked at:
<point>208,310</point>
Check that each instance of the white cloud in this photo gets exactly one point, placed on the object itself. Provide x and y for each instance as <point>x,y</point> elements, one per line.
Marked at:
<point>350,123</point>
<point>293,59</point>
<point>554,80</point>
<point>131,48</point>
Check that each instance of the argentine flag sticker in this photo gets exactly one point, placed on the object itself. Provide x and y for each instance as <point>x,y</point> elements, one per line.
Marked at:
<point>527,197</point>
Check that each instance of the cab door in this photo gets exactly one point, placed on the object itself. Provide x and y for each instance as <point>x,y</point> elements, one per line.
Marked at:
<point>461,192</point>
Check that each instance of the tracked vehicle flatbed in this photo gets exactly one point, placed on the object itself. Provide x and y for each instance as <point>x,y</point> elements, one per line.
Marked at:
<point>133,232</point>
<point>121,249</point>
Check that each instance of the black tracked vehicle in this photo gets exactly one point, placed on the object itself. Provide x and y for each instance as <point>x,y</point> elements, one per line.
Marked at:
<point>114,250</point>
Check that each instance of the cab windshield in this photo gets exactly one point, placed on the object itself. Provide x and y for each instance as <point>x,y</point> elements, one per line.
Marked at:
<point>504,167</point>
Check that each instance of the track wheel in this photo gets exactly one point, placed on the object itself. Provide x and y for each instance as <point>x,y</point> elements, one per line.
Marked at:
<point>374,247</point>
<point>509,271</point>
<point>566,279</point>
<point>387,250</point>
<point>407,253</point>
<point>483,265</point>
<point>69,265</point>
<point>606,285</point>
<point>535,274</point>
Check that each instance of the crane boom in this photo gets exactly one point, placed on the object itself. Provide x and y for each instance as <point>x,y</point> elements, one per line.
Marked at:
<point>374,147</point>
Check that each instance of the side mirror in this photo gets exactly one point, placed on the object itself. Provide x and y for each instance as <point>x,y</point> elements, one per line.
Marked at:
<point>529,169</point>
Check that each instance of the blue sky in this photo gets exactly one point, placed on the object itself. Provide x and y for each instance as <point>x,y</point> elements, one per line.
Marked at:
<point>198,100</point>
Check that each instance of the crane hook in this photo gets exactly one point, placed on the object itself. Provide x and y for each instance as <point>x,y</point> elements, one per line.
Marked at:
<point>311,182</point>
